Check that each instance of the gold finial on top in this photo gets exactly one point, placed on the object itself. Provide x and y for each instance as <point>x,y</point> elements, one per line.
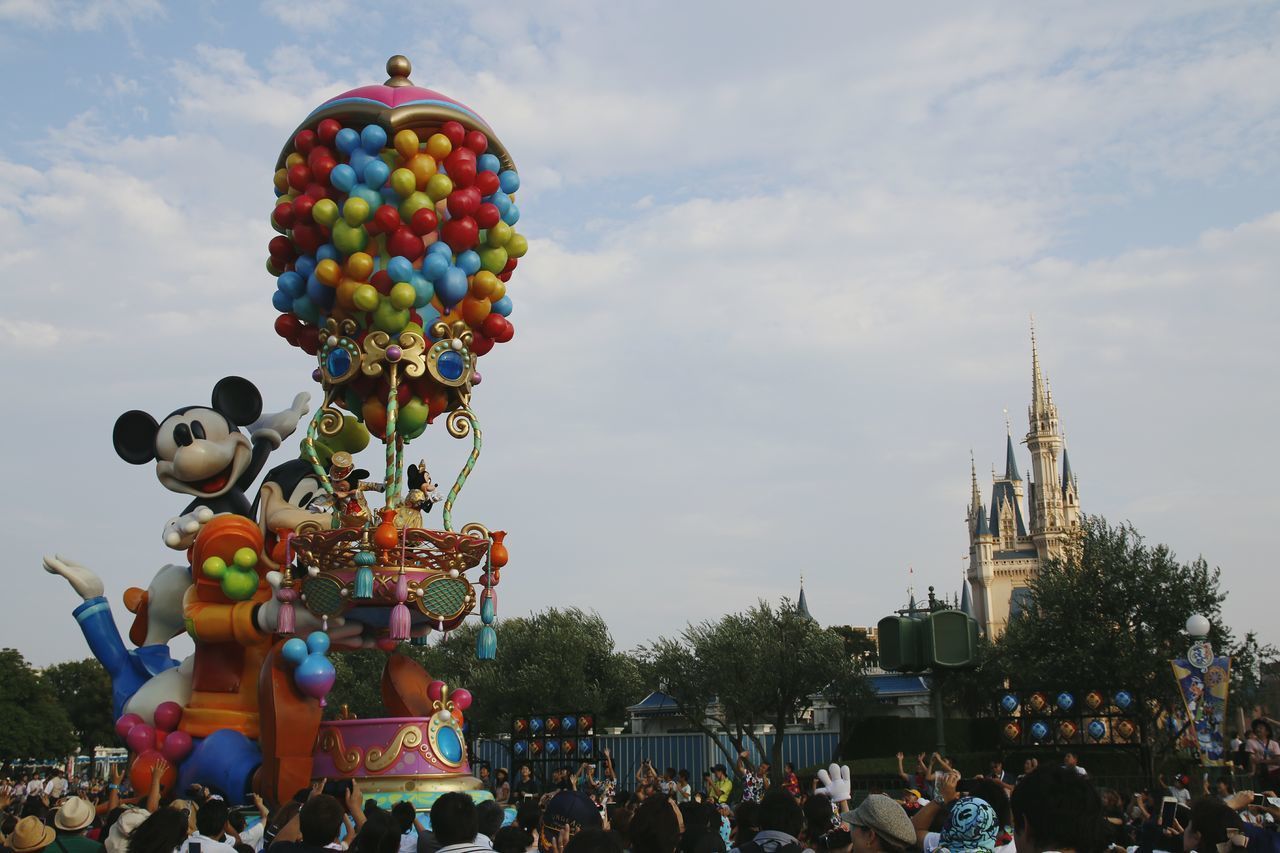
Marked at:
<point>398,70</point>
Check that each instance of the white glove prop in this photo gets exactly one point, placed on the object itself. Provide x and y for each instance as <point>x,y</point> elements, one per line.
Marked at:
<point>86,584</point>
<point>180,532</point>
<point>275,428</point>
<point>835,783</point>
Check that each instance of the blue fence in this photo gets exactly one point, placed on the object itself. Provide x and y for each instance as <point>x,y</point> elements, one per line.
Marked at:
<point>696,753</point>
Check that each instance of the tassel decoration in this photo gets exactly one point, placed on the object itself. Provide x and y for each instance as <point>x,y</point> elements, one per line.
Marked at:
<point>487,643</point>
<point>400,623</point>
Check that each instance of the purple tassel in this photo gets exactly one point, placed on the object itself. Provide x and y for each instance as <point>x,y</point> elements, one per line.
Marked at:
<point>400,623</point>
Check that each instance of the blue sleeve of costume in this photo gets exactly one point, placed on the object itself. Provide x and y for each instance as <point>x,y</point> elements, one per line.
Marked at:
<point>100,632</point>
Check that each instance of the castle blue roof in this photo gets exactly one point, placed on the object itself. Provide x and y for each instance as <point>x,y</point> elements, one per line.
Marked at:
<point>1010,462</point>
<point>655,703</point>
<point>1000,492</point>
<point>981,528</point>
<point>1066,470</point>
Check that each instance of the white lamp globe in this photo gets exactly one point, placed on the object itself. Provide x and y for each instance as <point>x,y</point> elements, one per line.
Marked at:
<point>1198,626</point>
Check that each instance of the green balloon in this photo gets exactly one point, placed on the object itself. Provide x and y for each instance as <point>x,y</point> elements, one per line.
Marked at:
<point>493,259</point>
<point>387,318</point>
<point>325,211</point>
<point>239,585</point>
<point>349,239</point>
<point>403,182</point>
<point>517,246</point>
<point>411,422</point>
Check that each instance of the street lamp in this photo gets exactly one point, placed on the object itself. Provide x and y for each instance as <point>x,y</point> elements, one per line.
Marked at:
<point>1198,626</point>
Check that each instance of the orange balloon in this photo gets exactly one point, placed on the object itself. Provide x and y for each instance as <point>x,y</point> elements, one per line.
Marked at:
<point>406,143</point>
<point>423,167</point>
<point>473,310</point>
<point>375,416</point>
<point>437,402</point>
<point>360,266</point>
<point>483,283</point>
<point>499,291</point>
<point>345,294</point>
<point>141,771</point>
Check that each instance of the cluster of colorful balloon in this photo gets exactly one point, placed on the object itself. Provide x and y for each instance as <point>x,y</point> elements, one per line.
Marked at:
<point>150,743</point>
<point>394,237</point>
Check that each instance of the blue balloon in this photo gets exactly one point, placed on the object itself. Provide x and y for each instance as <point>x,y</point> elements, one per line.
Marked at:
<point>429,316</point>
<point>359,159</point>
<point>314,676</point>
<point>294,650</point>
<point>373,138</point>
<point>509,181</point>
<point>425,292</point>
<point>469,261</point>
<point>317,642</point>
<point>319,294</point>
<point>511,215</point>
<point>305,265</point>
<point>390,196</point>
<point>452,286</point>
<point>347,140</point>
<point>502,201</point>
<point>376,173</point>
<point>306,310</point>
<point>488,163</point>
<point>434,265</point>
<point>502,306</point>
<point>400,269</point>
<point>441,248</point>
<point>282,302</point>
<point>343,177</point>
<point>327,252</point>
<point>292,284</point>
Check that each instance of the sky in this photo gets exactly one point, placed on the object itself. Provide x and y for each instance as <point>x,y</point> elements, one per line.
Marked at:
<point>782,265</point>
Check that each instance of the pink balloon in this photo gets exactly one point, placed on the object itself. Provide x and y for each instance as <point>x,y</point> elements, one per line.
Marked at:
<point>141,738</point>
<point>168,715</point>
<point>125,723</point>
<point>177,746</point>
<point>461,698</point>
<point>435,690</point>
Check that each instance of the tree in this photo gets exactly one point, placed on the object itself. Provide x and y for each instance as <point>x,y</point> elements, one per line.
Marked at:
<point>35,725</point>
<point>83,688</point>
<point>553,661</point>
<point>1110,615</point>
<point>759,666</point>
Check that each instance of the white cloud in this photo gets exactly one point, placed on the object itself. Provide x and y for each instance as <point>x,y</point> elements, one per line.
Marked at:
<point>77,14</point>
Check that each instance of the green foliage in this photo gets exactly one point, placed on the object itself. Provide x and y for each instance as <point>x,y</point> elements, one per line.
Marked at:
<point>761,665</point>
<point>83,689</point>
<point>35,724</point>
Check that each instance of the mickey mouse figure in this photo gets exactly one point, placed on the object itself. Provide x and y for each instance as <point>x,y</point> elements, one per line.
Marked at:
<point>201,451</point>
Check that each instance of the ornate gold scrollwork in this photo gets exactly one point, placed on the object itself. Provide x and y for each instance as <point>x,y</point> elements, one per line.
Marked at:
<point>346,760</point>
<point>377,760</point>
<point>475,529</point>
<point>459,422</point>
<point>411,360</point>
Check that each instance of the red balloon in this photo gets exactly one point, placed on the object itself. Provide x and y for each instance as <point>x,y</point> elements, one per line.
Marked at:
<point>477,142</point>
<point>461,234</point>
<point>306,139</point>
<point>387,218</point>
<point>302,209</point>
<point>494,325</point>
<point>281,248</point>
<point>464,202</point>
<point>142,768</point>
<point>404,391</point>
<point>287,325</point>
<point>299,177</point>
<point>480,342</point>
<point>284,214</point>
<point>309,339</point>
<point>461,166</point>
<point>382,281</point>
<point>511,264</point>
<point>504,276</point>
<point>318,153</point>
<point>328,129</point>
<point>141,738</point>
<point>176,747</point>
<point>456,133</point>
<point>308,238</point>
<point>487,183</point>
<point>167,716</point>
<point>322,169</point>
<point>424,221</point>
<point>487,215</point>
<point>404,242</point>
<point>508,333</point>
<point>128,721</point>
<point>317,192</point>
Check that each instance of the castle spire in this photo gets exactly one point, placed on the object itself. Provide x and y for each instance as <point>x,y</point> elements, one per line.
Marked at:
<point>1039,399</point>
<point>1010,461</point>
<point>975,502</point>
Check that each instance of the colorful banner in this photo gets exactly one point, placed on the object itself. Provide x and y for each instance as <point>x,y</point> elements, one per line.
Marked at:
<point>1203,680</point>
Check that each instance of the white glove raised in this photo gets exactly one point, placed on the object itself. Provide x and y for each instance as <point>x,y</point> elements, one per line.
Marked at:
<point>276,427</point>
<point>835,783</point>
<point>180,532</point>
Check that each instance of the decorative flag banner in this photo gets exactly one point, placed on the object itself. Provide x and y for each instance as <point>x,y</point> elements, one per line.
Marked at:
<point>1203,681</point>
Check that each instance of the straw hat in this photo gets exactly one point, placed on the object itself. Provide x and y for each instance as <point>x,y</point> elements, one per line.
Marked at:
<point>30,835</point>
<point>74,815</point>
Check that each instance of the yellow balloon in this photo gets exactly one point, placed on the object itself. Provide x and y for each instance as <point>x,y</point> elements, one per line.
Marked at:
<point>439,186</point>
<point>366,297</point>
<point>483,284</point>
<point>499,234</point>
<point>294,159</point>
<point>499,290</point>
<point>423,166</point>
<point>282,180</point>
<point>517,246</point>
<point>404,182</point>
<point>325,211</point>
<point>439,146</point>
<point>328,272</point>
<point>356,210</point>
<point>360,266</point>
<point>407,143</point>
<point>346,292</point>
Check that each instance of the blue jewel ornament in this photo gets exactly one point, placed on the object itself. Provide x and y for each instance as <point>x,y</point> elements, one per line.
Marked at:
<point>450,364</point>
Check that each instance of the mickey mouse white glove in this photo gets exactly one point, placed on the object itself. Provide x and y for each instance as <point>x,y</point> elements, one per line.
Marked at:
<point>835,783</point>
<point>275,428</point>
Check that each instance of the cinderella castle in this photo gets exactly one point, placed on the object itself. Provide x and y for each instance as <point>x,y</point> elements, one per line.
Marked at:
<point>1008,544</point>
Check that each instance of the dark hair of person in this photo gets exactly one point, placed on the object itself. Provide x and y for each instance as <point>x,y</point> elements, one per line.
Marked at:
<point>780,813</point>
<point>594,840</point>
<point>320,820</point>
<point>380,834</point>
<point>34,807</point>
<point>1059,809</point>
<point>619,818</point>
<point>405,815</point>
<point>1264,724</point>
<point>512,839</point>
<point>162,832</point>
<point>701,829</point>
<point>453,819</point>
<point>211,818</point>
<point>528,816</point>
<point>302,795</point>
<point>747,820</point>
<point>489,817</point>
<point>654,828</point>
<point>241,847</point>
<point>995,795</point>
<point>1211,818</point>
<point>277,821</point>
<point>501,774</point>
<point>235,820</point>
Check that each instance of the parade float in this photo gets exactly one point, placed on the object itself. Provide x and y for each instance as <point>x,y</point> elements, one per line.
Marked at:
<point>394,210</point>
